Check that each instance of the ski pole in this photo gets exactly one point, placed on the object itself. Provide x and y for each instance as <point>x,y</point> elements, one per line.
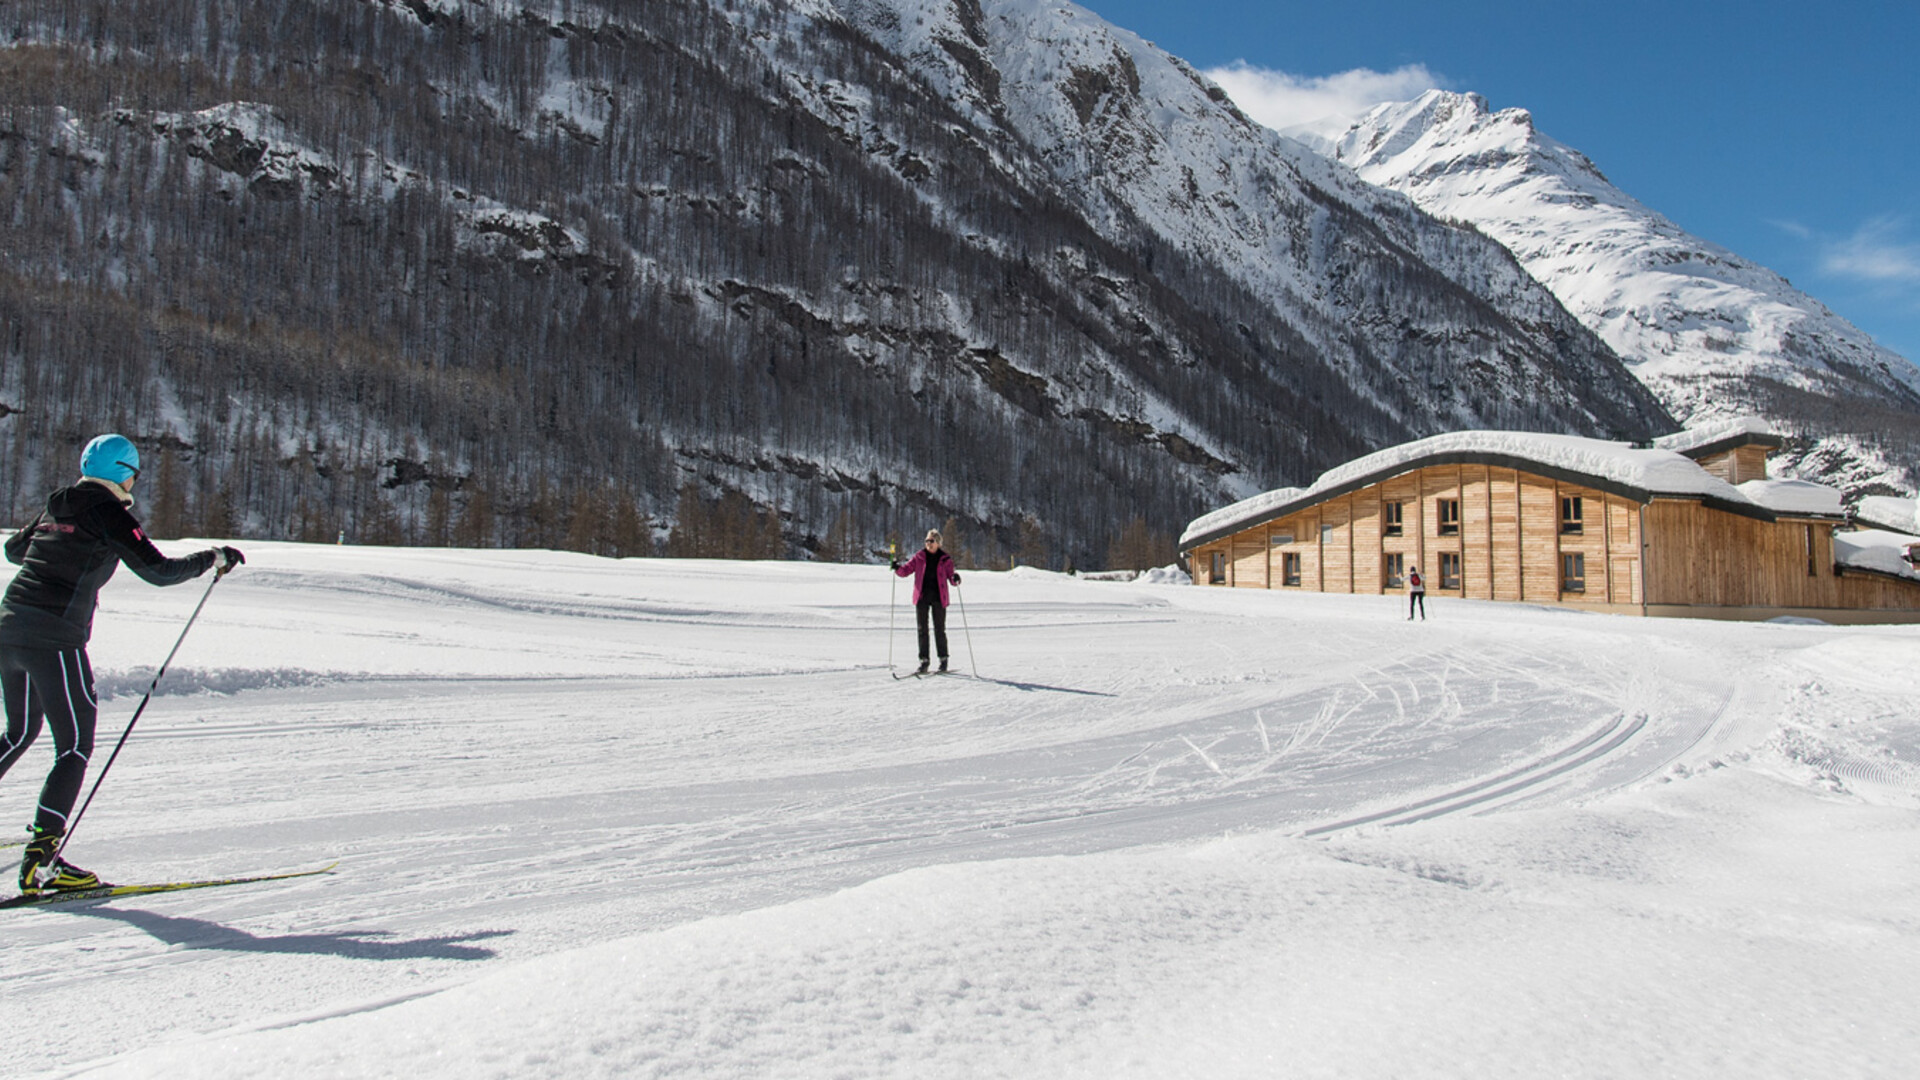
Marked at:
<point>148,696</point>
<point>893,594</point>
<point>971,662</point>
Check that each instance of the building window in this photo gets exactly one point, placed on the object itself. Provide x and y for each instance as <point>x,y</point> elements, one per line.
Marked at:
<point>1219,574</point>
<point>1450,568</point>
<point>1392,518</point>
<point>1280,539</point>
<point>1290,568</point>
<point>1813,569</point>
<point>1449,512</point>
<point>1572,514</point>
<point>1573,572</point>
<point>1396,570</point>
<point>1326,534</point>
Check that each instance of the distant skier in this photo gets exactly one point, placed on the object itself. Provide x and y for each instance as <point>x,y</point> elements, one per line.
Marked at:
<point>931,570</point>
<point>46,618</point>
<point>1416,593</point>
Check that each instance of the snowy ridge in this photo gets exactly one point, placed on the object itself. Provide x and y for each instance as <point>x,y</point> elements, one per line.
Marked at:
<point>1144,141</point>
<point>1696,322</point>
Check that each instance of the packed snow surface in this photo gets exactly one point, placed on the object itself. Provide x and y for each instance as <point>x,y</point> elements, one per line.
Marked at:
<point>659,818</point>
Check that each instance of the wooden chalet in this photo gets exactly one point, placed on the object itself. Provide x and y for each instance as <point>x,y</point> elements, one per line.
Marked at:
<point>1690,525</point>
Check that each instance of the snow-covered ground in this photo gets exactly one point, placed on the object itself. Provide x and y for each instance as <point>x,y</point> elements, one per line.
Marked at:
<point>653,818</point>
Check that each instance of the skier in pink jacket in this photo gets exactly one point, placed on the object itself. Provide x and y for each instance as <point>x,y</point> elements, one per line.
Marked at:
<point>930,567</point>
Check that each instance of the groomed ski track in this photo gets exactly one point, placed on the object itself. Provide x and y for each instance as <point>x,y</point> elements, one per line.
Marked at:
<point>514,754</point>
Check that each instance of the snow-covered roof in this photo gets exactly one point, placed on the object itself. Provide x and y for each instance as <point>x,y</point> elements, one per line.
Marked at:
<point>1888,512</point>
<point>1695,441</point>
<point>1877,550</point>
<point>1795,498</point>
<point>1637,472</point>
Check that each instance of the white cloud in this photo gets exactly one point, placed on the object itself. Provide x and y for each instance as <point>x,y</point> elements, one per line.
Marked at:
<point>1280,100</point>
<point>1876,252</point>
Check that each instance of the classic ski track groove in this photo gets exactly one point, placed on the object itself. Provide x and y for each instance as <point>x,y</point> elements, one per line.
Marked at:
<point>1523,778</point>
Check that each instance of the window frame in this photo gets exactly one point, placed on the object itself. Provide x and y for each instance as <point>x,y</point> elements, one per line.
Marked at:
<point>1217,572</point>
<point>1393,568</point>
<point>1290,563</point>
<point>1573,515</point>
<point>1454,581</point>
<point>1446,517</point>
<point>1393,518</point>
<point>1573,572</point>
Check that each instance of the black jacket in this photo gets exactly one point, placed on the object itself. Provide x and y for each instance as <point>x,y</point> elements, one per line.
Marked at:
<point>66,555</point>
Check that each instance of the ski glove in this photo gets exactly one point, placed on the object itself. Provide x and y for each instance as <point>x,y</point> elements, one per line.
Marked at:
<point>226,558</point>
<point>896,564</point>
<point>955,579</point>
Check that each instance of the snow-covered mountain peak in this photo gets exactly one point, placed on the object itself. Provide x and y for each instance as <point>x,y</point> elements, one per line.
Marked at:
<point>1711,333</point>
<point>1144,145</point>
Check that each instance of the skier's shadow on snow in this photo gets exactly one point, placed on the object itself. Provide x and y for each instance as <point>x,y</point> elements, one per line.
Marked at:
<point>1031,687</point>
<point>354,945</point>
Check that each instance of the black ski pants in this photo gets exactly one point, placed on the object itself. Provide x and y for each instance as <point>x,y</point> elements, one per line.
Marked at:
<point>53,687</point>
<point>1416,599</point>
<point>931,605</point>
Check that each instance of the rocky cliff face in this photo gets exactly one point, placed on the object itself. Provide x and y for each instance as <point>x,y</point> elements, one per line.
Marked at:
<point>1713,334</point>
<point>451,270</point>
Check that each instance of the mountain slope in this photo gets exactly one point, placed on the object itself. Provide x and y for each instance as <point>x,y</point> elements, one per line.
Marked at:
<point>562,274</point>
<point>1436,321</point>
<point>1713,334</point>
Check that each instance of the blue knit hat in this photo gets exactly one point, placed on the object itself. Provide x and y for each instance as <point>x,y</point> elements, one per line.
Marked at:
<point>110,457</point>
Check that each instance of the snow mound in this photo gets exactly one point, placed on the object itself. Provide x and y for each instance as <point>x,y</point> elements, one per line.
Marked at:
<point>1795,497</point>
<point>1877,550</point>
<point>1890,513</point>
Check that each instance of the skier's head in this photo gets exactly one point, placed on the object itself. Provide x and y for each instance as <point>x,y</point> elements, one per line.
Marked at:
<point>933,538</point>
<point>112,458</point>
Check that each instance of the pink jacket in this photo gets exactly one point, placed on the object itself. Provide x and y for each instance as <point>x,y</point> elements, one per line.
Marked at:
<point>942,573</point>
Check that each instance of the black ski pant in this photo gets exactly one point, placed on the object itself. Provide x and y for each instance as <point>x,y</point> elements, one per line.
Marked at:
<point>1419,598</point>
<point>53,687</point>
<point>938,610</point>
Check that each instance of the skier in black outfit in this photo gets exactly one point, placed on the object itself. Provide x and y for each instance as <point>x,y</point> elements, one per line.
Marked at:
<point>46,618</point>
<point>931,569</point>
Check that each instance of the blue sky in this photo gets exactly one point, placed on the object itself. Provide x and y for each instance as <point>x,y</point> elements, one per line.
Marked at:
<point>1789,133</point>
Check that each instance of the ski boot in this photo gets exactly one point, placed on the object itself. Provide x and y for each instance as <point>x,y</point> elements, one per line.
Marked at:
<point>42,872</point>
<point>943,665</point>
<point>922,670</point>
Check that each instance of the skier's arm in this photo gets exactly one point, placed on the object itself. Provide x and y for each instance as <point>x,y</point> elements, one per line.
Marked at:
<point>18,543</point>
<point>129,542</point>
<point>911,566</point>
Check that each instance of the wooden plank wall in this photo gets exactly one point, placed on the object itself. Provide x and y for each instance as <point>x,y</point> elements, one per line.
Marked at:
<point>1509,539</point>
<point>1504,534</point>
<point>1368,571</point>
<point>1510,542</point>
<point>1739,465</point>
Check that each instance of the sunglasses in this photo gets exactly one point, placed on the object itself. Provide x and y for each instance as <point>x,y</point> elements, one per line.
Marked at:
<point>136,472</point>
